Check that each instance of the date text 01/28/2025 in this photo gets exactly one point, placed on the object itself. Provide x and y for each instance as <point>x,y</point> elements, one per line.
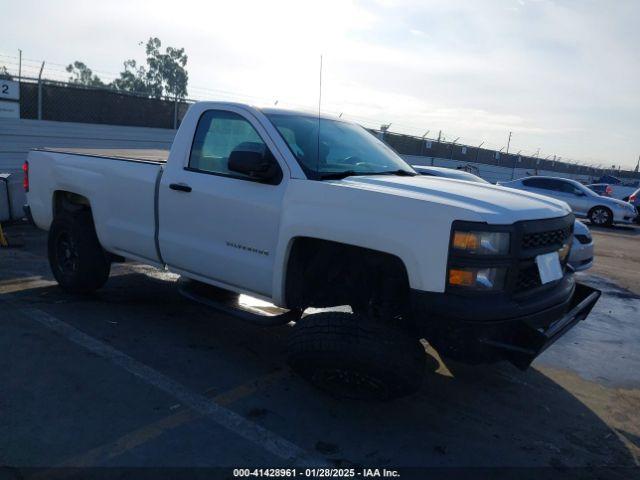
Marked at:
<point>316,473</point>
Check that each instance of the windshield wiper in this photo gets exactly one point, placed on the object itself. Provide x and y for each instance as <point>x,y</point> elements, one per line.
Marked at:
<point>350,173</point>
<point>338,175</point>
<point>400,173</point>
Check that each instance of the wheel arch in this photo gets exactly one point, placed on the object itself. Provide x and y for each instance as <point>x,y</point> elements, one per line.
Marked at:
<point>67,201</point>
<point>311,261</point>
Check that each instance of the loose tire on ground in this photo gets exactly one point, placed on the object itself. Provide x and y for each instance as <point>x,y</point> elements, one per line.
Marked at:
<point>351,356</point>
<point>78,261</point>
<point>601,216</point>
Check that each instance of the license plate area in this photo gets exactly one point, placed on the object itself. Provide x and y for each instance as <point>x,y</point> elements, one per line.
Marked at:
<point>549,267</point>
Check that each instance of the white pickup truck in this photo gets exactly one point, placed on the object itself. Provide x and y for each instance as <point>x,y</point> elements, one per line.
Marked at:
<point>308,211</point>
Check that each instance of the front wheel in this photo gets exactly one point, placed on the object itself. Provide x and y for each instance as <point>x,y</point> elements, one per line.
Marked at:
<point>78,261</point>
<point>601,216</point>
<point>353,356</point>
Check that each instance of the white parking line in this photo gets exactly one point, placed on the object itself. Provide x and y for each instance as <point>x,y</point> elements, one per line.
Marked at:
<point>269,441</point>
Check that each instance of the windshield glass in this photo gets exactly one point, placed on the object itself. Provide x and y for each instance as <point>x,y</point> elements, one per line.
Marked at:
<point>344,149</point>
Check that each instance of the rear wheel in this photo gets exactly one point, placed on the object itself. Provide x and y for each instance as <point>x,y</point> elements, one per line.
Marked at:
<point>601,216</point>
<point>78,261</point>
<point>355,357</point>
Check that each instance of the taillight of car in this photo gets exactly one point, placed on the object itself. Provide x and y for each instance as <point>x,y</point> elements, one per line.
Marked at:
<point>25,179</point>
<point>632,198</point>
<point>608,190</point>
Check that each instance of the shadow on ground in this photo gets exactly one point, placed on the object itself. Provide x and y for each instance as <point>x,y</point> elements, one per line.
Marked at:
<point>490,415</point>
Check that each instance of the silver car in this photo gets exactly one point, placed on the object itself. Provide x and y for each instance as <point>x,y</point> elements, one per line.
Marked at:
<point>585,203</point>
<point>581,256</point>
<point>448,173</point>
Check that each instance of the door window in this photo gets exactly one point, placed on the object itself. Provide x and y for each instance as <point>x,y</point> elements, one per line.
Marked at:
<point>218,134</point>
<point>571,189</point>
<point>544,183</point>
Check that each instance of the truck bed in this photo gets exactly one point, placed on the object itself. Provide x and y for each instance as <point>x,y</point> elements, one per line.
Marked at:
<point>144,155</point>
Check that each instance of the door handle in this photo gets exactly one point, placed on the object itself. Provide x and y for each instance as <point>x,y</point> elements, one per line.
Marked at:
<point>181,187</point>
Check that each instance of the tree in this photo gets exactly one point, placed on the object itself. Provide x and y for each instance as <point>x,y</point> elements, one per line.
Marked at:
<point>164,75</point>
<point>134,79</point>
<point>82,75</point>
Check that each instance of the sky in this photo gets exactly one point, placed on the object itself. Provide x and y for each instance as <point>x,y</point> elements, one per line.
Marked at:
<point>563,76</point>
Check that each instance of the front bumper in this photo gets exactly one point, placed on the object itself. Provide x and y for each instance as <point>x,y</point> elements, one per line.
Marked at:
<point>581,256</point>
<point>624,216</point>
<point>516,332</point>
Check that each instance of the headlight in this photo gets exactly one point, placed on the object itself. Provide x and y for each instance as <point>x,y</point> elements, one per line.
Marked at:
<point>481,243</point>
<point>477,278</point>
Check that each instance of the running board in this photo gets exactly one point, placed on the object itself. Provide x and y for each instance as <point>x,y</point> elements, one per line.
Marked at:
<point>228,302</point>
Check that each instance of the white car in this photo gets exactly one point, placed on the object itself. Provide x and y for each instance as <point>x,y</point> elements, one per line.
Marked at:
<point>306,212</point>
<point>581,256</point>
<point>585,203</point>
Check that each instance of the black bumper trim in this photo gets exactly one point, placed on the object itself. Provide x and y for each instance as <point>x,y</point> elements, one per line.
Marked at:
<point>528,342</point>
<point>519,338</point>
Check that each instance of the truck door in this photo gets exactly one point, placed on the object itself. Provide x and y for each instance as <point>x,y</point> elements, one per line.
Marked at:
<point>216,223</point>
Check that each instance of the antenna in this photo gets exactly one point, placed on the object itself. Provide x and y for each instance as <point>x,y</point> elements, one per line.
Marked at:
<point>319,108</point>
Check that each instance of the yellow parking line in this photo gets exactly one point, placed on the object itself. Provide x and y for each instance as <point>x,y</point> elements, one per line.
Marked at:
<point>153,430</point>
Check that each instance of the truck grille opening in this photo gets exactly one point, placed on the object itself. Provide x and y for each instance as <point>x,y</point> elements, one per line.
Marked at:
<point>545,239</point>
<point>528,278</point>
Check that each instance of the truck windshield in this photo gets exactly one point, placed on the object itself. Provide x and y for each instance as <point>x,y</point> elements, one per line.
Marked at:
<point>345,149</point>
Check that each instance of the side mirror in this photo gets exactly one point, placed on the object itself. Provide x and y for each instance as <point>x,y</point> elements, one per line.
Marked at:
<point>254,160</point>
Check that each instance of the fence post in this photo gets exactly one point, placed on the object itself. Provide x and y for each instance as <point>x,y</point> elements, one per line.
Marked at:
<point>40,92</point>
<point>175,114</point>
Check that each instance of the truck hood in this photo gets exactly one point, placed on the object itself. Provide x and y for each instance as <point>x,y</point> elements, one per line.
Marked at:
<point>494,204</point>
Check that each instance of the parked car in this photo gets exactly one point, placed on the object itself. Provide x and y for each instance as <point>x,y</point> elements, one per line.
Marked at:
<point>603,189</point>
<point>306,212</point>
<point>447,173</point>
<point>634,199</point>
<point>581,256</point>
<point>585,203</point>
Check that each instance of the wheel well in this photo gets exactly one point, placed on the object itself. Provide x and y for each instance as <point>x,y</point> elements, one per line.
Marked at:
<point>322,273</point>
<point>73,203</point>
<point>69,202</point>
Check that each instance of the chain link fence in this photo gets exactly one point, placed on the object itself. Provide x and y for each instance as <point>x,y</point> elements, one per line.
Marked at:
<point>68,102</point>
<point>48,99</point>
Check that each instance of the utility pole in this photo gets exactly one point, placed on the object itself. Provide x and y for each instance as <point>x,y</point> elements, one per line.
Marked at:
<point>19,65</point>
<point>40,92</point>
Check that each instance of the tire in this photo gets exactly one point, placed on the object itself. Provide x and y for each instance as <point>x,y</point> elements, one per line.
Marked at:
<point>351,356</point>
<point>601,216</point>
<point>78,261</point>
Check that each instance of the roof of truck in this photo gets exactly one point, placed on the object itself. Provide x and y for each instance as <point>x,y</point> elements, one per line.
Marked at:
<point>153,155</point>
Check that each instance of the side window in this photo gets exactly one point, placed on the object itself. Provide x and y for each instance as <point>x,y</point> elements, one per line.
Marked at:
<point>567,187</point>
<point>535,183</point>
<point>218,134</point>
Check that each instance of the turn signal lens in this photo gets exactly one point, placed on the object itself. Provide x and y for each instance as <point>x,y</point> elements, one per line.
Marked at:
<point>478,278</point>
<point>465,241</point>
<point>481,243</point>
<point>461,278</point>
